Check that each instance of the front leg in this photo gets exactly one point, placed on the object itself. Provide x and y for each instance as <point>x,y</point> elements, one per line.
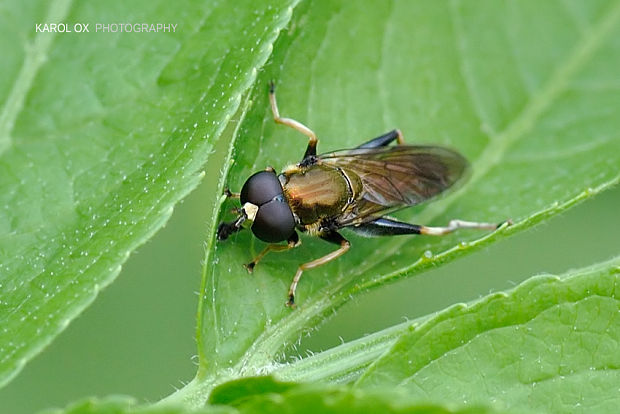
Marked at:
<point>332,237</point>
<point>291,243</point>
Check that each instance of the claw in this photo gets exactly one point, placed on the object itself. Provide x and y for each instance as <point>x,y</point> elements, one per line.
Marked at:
<point>505,222</point>
<point>291,302</point>
<point>249,267</point>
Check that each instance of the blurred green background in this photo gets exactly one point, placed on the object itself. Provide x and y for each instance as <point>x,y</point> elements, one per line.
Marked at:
<point>138,337</point>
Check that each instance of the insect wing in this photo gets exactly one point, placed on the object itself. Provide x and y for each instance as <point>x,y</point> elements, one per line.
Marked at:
<point>396,177</point>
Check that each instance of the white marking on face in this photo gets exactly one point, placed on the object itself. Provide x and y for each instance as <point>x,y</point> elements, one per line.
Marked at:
<point>250,210</point>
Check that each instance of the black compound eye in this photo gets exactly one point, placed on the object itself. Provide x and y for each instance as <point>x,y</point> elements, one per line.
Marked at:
<point>274,222</point>
<point>260,188</point>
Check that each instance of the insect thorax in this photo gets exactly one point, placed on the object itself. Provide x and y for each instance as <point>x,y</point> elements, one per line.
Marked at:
<point>316,192</point>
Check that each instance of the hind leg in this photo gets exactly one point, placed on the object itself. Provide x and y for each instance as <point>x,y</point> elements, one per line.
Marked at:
<point>390,227</point>
<point>384,140</point>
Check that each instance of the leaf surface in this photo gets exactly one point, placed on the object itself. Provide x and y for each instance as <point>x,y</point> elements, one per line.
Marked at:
<point>265,395</point>
<point>536,118</point>
<point>549,345</point>
<point>275,397</point>
<point>100,135</point>
<point>126,405</point>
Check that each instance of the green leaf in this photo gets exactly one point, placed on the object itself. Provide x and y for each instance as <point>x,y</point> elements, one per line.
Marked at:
<point>349,361</point>
<point>551,345</point>
<point>100,135</point>
<point>126,405</point>
<point>265,395</point>
<point>237,392</point>
<point>527,92</point>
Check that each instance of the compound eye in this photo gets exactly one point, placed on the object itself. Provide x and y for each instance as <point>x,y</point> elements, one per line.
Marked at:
<point>260,188</point>
<point>274,222</point>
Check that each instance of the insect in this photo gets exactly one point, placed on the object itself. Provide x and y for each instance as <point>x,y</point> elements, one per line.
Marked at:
<point>352,188</point>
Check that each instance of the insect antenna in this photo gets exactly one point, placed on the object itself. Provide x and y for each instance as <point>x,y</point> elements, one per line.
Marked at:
<point>225,230</point>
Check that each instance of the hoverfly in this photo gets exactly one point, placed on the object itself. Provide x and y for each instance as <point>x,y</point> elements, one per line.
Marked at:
<point>353,188</point>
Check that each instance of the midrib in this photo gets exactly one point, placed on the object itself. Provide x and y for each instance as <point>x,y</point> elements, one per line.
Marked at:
<point>491,156</point>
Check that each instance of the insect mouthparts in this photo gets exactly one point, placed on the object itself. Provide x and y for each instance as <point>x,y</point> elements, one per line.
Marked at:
<point>223,231</point>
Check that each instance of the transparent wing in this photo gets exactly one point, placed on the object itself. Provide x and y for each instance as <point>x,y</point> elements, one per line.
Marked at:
<point>396,177</point>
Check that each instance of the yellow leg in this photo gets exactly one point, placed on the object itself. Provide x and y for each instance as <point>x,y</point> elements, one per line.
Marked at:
<point>344,247</point>
<point>312,139</point>
<point>230,194</point>
<point>459,224</point>
<point>400,139</point>
<point>272,248</point>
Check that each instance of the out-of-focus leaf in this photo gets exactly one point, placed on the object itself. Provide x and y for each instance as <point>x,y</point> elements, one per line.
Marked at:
<point>264,395</point>
<point>126,405</point>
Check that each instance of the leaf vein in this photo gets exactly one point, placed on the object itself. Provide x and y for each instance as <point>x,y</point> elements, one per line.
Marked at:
<point>36,55</point>
<point>496,149</point>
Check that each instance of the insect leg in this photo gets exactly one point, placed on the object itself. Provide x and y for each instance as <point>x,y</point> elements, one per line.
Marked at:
<point>292,242</point>
<point>385,227</point>
<point>312,140</point>
<point>332,237</point>
<point>230,194</point>
<point>384,140</point>
<point>390,227</point>
<point>459,224</point>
